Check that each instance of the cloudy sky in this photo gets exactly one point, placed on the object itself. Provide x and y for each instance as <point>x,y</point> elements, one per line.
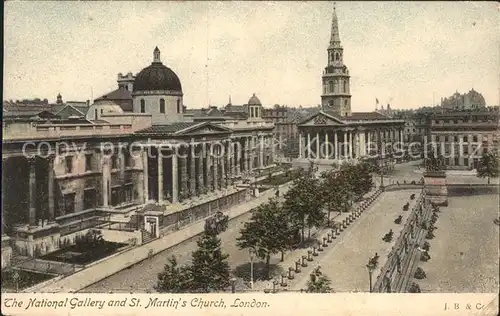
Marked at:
<point>410,53</point>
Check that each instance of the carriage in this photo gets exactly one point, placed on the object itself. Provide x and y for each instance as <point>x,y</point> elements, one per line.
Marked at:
<point>217,223</point>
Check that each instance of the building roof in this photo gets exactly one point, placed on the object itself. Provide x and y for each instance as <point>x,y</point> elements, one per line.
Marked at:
<point>368,116</point>
<point>118,94</point>
<point>254,100</point>
<point>157,77</point>
<point>167,129</point>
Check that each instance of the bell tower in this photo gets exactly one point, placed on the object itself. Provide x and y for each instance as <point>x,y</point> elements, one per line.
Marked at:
<point>336,96</point>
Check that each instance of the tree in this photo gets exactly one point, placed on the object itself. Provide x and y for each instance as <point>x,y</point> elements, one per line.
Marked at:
<point>173,279</point>
<point>209,269</point>
<point>335,192</point>
<point>318,282</point>
<point>304,201</point>
<point>267,232</point>
<point>488,166</point>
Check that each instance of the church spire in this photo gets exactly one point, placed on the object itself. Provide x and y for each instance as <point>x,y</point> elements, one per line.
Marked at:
<point>335,36</point>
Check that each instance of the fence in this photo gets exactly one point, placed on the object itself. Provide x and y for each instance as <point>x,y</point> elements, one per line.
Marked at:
<point>394,274</point>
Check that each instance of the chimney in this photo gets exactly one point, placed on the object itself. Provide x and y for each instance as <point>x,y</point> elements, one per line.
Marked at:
<point>88,103</point>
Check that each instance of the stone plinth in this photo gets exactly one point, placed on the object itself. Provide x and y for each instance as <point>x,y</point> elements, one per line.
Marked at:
<point>6,251</point>
<point>37,241</point>
<point>435,187</point>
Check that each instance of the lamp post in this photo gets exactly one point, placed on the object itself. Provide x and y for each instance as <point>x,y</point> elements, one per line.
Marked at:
<point>251,252</point>
<point>370,266</point>
<point>233,285</point>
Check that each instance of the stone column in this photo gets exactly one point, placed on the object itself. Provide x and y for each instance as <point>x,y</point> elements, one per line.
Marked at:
<point>344,150</point>
<point>247,154</point>
<point>184,174</point>
<point>175,178</point>
<point>50,188</point>
<point>336,145</point>
<point>192,169</point>
<point>308,145</point>
<point>261,153</point>
<point>208,167</point>
<point>146,176</point>
<point>216,171</point>
<point>32,192</point>
<point>105,178</point>
<point>201,172</point>
<point>317,146</point>
<point>160,174</point>
<point>122,174</point>
<point>224,170</point>
<point>301,155</point>
<point>237,153</point>
<point>350,144</point>
<point>327,146</point>
<point>232,158</point>
<point>401,139</point>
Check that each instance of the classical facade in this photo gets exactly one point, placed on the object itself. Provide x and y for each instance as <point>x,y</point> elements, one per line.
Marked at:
<point>335,132</point>
<point>462,137</point>
<point>124,169</point>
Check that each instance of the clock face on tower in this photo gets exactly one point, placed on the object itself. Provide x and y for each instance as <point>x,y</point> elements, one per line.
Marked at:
<point>330,103</point>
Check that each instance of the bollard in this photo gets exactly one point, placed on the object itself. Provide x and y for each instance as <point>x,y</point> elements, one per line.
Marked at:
<point>297,266</point>
<point>314,253</point>
<point>329,237</point>
<point>275,284</point>
<point>309,255</point>
<point>320,246</point>
<point>325,241</point>
<point>304,263</point>
<point>290,273</point>
<point>283,280</point>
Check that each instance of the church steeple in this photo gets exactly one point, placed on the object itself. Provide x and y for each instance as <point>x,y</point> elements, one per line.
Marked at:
<point>335,36</point>
<point>336,95</point>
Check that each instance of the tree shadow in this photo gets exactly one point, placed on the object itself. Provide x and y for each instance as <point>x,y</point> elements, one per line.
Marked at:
<point>259,271</point>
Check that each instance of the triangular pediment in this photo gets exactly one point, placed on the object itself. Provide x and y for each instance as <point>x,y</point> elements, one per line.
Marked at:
<point>321,119</point>
<point>203,129</point>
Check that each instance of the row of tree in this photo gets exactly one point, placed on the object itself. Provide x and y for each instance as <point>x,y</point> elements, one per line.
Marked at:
<point>275,227</point>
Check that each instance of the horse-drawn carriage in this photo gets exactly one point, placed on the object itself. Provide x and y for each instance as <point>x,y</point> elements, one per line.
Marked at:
<point>217,223</point>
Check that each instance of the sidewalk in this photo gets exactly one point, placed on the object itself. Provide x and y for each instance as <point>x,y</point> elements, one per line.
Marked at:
<point>292,257</point>
<point>126,259</point>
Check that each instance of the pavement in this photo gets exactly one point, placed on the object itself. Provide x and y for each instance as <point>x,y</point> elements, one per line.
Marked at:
<point>464,253</point>
<point>121,261</point>
<point>344,262</point>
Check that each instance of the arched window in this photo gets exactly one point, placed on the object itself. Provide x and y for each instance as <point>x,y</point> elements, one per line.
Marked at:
<point>179,110</point>
<point>143,106</point>
<point>345,85</point>
<point>330,86</point>
<point>162,106</point>
<point>337,56</point>
<point>95,111</point>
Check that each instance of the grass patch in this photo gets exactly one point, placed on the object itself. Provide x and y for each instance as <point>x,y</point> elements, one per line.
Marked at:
<point>25,279</point>
<point>79,254</point>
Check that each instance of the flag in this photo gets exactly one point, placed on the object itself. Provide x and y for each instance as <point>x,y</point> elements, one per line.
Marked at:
<point>376,100</point>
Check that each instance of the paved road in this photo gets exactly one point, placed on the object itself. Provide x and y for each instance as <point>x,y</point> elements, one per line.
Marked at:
<point>464,253</point>
<point>143,276</point>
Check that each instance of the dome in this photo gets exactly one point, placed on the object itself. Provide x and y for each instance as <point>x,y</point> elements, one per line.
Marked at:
<point>103,107</point>
<point>157,77</point>
<point>254,100</point>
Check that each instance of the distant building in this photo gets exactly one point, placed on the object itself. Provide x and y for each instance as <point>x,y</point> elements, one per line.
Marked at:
<point>470,100</point>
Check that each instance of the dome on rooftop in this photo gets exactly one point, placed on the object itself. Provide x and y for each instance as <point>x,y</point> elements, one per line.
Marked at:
<point>157,77</point>
<point>254,100</point>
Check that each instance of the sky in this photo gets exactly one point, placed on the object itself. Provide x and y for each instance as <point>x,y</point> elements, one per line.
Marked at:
<point>407,53</point>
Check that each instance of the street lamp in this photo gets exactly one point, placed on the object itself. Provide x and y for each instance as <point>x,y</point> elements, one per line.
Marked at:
<point>370,266</point>
<point>233,285</point>
<point>251,253</point>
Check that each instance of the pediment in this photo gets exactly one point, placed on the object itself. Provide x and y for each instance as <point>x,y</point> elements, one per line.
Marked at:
<point>203,129</point>
<point>322,119</point>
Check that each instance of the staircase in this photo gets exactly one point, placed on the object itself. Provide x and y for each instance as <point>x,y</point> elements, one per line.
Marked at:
<point>146,236</point>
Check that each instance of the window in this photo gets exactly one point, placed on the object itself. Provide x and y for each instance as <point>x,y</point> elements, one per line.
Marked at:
<point>96,114</point>
<point>330,86</point>
<point>337,56</point>
<point>455,121</point>
<point>69,203</point>
<point>114,162</point>
<point>102,111</point>
<point>89,198</point>
<point>474,139</point>
<point>345,85</point>
<point>143,106</point>
<point>465,139</point>
<point>345,102</point>
<point>179,110</point>
<point>128,159</point>
<point>455,139</point>
<point>68,164</point>
<point>437,138</point>
<point>162,106</point>
<point>88,162</point>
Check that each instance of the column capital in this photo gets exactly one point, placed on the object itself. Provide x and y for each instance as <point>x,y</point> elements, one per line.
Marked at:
<point>50,158</point>
<point>31,159</point>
